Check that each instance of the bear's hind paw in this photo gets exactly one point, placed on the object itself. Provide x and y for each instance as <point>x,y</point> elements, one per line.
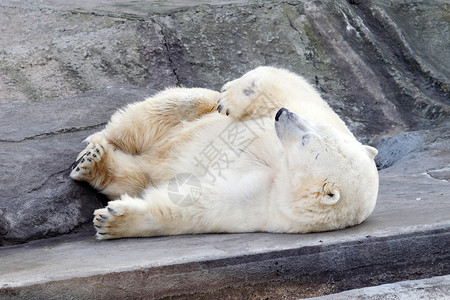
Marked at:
<point>107,221</point>
<point>83,167</point>
<point>122,218</point>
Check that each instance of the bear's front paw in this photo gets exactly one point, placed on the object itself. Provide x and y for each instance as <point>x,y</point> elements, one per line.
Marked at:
<point>87,162</point>
<point>237,97</point>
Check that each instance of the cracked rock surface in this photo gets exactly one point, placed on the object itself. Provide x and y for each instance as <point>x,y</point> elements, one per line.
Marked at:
<point>38,143</point>
<point>66,67</point>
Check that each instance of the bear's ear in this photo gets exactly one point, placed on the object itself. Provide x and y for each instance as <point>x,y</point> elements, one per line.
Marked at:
<point>331,198</point>
<point>372,151</point>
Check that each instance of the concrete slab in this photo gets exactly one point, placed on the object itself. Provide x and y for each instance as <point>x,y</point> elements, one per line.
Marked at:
<point>405,238</point>
<point>430,288</point>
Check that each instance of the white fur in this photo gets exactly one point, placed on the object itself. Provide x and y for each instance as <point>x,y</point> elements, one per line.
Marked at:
<point>305,172</point>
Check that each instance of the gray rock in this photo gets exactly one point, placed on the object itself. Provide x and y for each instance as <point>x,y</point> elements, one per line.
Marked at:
<point>370,59</point>
<point>393,149</point>
<point>75,51</point>
<point>39,141</point>
<point>424,152</point>
<point>430,288</point>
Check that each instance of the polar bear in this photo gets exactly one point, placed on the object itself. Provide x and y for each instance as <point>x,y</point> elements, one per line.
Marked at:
<point>276,158</point>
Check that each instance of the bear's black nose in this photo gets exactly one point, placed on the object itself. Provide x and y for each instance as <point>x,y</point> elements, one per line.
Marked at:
<point>277,116</point>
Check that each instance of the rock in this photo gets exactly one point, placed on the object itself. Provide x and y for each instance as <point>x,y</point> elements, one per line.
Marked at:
<point>431,288</point>
<point>403,146</point>
<point>74,51</point>
<point>39,141</point>
<point>370,59</point>
<point>441,173</point>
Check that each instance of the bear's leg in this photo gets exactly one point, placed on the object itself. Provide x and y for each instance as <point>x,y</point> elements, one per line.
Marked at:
<point>109,170</point>
<point>135,217</point>
<point>146,126</point>
<point>156,213</point>
<point>136,138</point>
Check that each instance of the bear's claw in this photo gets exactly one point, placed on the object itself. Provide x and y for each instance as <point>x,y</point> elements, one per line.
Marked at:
<point>108,221</point>
<point>76,162</point>
<point>82,167</point>
<point>112,211</point>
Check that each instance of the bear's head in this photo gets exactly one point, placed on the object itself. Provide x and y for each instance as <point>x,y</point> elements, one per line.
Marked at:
<point>332,178</point>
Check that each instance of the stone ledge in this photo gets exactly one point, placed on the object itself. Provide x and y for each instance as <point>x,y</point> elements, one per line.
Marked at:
<point>208,266</point>
<point>430,288</point>
<point>404,239</point>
